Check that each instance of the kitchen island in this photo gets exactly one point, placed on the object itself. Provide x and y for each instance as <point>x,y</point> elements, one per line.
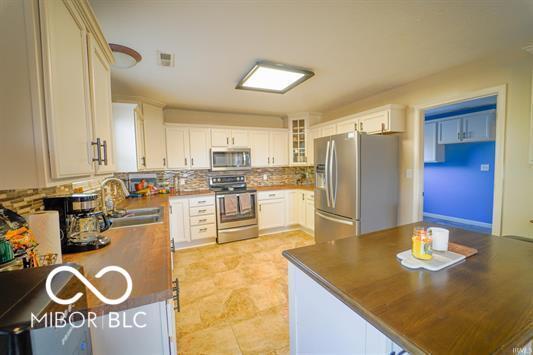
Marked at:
<point>352,296</point>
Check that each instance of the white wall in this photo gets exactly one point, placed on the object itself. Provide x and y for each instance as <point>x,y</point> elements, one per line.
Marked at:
<point>173,115</point>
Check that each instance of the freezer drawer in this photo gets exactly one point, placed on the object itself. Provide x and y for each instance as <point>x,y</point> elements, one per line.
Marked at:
<point>330,227</point>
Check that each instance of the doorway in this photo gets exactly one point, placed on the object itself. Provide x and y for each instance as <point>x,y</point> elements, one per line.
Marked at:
<point>493,172</point>
<point>459,155</point>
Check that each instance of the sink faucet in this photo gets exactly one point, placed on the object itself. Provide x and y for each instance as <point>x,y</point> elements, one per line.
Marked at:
<point>107,201</point>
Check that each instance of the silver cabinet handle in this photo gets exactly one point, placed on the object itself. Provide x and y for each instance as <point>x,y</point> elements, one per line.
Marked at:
<point>201,211</point>
<point>143,161</point>
<point>360,126</point>
<point>342,221</point>
<point>185,161</point>
<point>227,140</point>
<point>271,195</point>
<point>273,160</point>
<point>192,161</point>
<point>232,140</point>
<point>203,201</point>
<point>164,161</point>
<point>303,197</point>
<point>104,145</point>
<point>98,158</point>
<point>203,229</point>
<point>202,220</point>
<point>268,160</point>
<point>382,127</point>
<point>355,126</point>
<point>459,135</point>
<point>172,245</point>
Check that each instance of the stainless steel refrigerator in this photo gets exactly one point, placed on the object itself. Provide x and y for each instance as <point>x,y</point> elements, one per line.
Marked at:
<point>357,178</point>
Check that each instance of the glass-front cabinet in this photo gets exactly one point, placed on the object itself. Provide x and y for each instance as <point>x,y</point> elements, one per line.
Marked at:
<point>299,137</point>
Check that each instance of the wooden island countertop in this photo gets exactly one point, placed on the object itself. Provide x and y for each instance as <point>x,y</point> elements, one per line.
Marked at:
<point>481,305</point>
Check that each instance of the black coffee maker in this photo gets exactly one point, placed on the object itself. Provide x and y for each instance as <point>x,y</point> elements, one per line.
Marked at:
<point>80,222</point>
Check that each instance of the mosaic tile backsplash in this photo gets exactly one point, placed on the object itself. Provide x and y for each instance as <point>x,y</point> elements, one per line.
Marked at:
<point>190,180</point>
<point>30,200</point>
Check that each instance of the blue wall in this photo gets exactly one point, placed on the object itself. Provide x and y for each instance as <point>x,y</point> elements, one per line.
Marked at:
<point>457,187</point>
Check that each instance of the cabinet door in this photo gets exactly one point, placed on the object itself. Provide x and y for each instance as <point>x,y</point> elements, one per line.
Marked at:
<point>179,221</point>
<point>310,214</point>
<point>154,137</point>
<point>259,144</point>
<point>65,67</point>
<point>347,126</point>
<point>279,149</point>
<point>433,152</point>
<point>139,140</point>
<point>292,207</point>
<point>220,137</point>
<point>479,126</point>
<point>449,131</point>
<point>313,134</point>
<point>102,114</point>
<point>374,122</point>
<point>301,208</point>
<point>240,138</point>
<point>328,131</point>
<point>177,140</point>
<point>199,148</point>
<point>271,213</point>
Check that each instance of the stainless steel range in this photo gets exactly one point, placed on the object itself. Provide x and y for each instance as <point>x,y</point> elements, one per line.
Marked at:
<point>236,208</point>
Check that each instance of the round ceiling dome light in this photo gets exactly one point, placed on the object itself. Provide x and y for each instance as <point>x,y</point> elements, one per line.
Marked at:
<point>125,57</point>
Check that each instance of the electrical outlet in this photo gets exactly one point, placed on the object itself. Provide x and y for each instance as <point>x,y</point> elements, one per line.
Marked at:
<point>182,181</point>
<point>265,177</point>
<point>484,167</point>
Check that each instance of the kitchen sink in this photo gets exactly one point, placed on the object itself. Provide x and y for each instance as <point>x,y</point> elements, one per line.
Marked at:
<point>137,217</point>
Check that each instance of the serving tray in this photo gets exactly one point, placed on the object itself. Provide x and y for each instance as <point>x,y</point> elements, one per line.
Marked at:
<point>440,260</point>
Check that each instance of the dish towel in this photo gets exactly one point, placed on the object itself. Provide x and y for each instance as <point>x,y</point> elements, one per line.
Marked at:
<point>230,205</point>
<point>246,203</point>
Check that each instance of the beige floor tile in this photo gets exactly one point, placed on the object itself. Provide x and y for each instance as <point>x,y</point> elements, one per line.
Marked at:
<point>234,296</point>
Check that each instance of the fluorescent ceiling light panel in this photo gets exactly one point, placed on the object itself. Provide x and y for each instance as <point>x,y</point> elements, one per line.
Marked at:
<point>273,77</point>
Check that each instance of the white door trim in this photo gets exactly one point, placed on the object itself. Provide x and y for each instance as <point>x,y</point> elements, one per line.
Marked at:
<point>499,168</point>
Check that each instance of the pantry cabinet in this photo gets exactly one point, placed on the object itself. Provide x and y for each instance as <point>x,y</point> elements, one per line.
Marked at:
<point>433,151</point>
<point>59,59</point>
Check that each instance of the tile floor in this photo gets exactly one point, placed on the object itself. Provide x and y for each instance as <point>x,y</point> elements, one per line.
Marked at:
<point>234,296</point>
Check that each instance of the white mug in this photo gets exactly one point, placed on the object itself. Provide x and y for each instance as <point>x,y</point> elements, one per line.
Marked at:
<point>440,238</point>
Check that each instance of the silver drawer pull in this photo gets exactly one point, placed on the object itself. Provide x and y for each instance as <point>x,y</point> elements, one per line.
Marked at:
<point>203,201</point>
<point>202,220</point>
<point>201,211</point>
<point>203,229</point>
<point>271,195</point>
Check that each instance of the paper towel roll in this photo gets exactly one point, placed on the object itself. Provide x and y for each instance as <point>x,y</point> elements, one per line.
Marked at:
<point>45,228</point>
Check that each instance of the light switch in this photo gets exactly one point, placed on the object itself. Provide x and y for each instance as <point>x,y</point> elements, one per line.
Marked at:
<point>485,167</point>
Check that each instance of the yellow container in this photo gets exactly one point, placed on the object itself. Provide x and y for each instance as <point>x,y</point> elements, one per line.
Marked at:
<point>422,247</point>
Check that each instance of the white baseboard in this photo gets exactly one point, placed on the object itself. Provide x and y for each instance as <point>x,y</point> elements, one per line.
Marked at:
<point>295,227</point>
<point>458,220</point>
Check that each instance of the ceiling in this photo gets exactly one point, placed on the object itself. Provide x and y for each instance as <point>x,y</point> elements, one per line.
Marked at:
<point>355,48</point>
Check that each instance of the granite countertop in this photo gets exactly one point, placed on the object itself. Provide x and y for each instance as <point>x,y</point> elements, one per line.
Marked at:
<point>482,305</point>
<point>143,251</point>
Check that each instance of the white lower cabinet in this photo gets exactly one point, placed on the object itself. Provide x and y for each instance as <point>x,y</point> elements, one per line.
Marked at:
<point>192,221</point>
<point>321,324</point>
<point>151,330</point>
<point>309,213</point>
<point>272,213</point>
<point>293,207</point>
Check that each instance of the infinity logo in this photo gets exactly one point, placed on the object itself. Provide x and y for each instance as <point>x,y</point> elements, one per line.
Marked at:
<point>89,285</point>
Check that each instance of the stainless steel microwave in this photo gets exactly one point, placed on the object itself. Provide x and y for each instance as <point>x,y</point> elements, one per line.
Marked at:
<point>224,159</point>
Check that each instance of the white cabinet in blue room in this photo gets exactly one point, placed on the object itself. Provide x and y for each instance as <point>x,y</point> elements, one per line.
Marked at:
<point>467,128</point>
<point>433,151</point>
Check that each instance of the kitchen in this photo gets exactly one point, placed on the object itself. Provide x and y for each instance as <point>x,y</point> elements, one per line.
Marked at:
<point>243,189</point>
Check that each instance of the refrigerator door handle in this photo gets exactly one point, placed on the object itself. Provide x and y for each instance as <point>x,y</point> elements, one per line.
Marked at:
<point>326,174</point>
<point>336,220</point>
<point>333,183</point>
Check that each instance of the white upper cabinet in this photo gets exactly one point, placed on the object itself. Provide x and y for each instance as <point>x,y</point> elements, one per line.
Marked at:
<point>313,134</point>
<point>199,139</point>
<point>64,46</point>
<point>229,138</point>
<point>102,116</point>
<point>329,130</point>
<point>374,123</point>
<point>154,137</point>
<point>471,127</point>
<point>347,126</point>
<point>178,156</point>
<point>479,126</point>
<point>433,152</point>
<point>278,149</point>
<point>259,144</point>
<point>449,131</point>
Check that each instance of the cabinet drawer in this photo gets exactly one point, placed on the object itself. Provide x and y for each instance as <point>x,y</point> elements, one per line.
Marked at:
<point>202,201</point>
<point>205,231</point>
<point>270,195</point>
<point>200,220</point>
<point>200,211</point>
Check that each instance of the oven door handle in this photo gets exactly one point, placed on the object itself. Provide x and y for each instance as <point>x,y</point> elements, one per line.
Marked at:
<point>237,229</point>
